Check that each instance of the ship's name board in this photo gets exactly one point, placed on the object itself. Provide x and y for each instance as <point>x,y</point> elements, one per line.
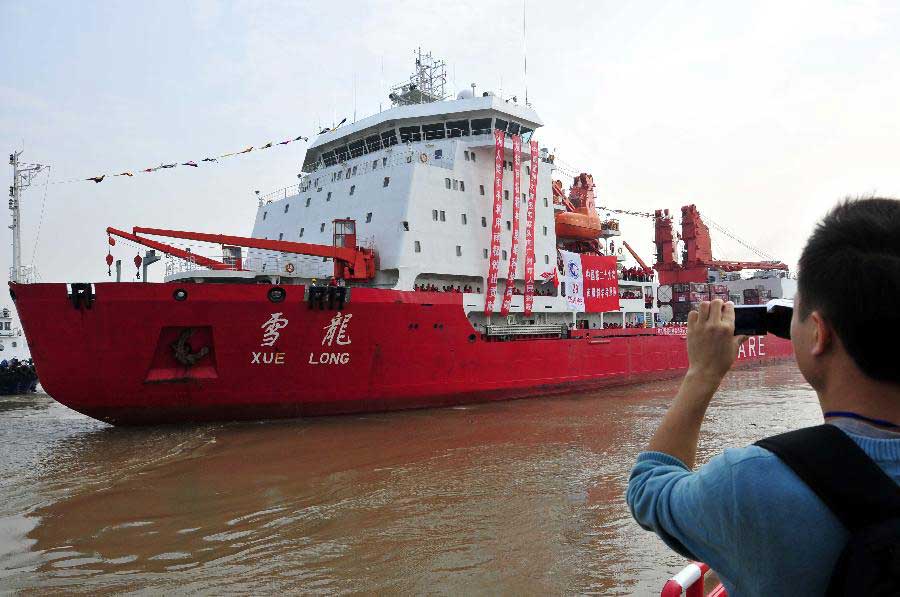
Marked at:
<point>336,336</point>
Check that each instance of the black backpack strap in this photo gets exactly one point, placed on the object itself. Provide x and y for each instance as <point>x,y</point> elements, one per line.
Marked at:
<point>856,490</point>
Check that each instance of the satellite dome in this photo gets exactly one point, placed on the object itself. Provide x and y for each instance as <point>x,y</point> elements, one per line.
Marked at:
<point>465,94</point>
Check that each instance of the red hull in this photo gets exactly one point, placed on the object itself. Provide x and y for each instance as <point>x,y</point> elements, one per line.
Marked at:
<point>115,360</point>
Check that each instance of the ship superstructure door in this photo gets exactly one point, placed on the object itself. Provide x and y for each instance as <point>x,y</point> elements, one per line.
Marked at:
<point>345,233</point>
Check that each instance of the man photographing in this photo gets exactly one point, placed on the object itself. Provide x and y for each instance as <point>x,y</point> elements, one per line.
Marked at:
<point>758,516</point>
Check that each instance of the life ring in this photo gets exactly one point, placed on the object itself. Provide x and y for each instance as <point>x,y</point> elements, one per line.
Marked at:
<point>423,157</point>
<point>289,268</point>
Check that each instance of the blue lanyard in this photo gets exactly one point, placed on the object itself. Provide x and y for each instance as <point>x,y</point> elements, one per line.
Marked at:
<point>851,415</point>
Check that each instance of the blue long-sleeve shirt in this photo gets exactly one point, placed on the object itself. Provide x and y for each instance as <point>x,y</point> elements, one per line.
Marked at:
<point>749,516</point>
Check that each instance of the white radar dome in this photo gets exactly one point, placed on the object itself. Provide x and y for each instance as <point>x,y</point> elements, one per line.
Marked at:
<point>465,94</point>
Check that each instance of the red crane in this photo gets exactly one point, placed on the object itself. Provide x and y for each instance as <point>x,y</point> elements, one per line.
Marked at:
<point>350,262</point>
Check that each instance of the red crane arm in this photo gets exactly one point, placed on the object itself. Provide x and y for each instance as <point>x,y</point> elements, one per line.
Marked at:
<point>193,257</point>
<point>635,255</point>
<point>339,253</point>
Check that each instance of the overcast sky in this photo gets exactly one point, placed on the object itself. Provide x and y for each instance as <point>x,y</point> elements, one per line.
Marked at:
<point>762,113</point>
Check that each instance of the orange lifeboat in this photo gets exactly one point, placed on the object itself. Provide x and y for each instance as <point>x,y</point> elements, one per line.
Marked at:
<point>580,221</point>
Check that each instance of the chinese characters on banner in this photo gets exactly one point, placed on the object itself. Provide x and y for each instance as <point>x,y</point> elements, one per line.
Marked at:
<point>592,283</point>
<point>514,248</point>
<point>601,283</point>
<point>529,229</point>
<point>496,222</point>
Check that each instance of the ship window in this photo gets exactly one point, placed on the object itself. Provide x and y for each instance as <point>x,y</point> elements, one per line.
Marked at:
<point>410,134</point>
<point>374,164</point>
<point>438,154</point>
<point>368,217</point>
<point>383,162</point>
<point>328,196</point>
<point>481,126</point>
<point>14,344</point>
<point>546,259</point>
<point>347,174</point>
<point>373,143</point>
<point>473,156</point>
<point>322,227</point>
<point>485,253</point>
<point>463,219</point>
<point>458,251</point>
<point>389,138</point>
<point>506,195</point>
<point>513,128</point>
<point>466,153</point>
<point>265,213</point>
<point>462,185</point>
<point>329,158</point>
<point>545,202</point>
<point>357,148</point>
<point>458,128</point>
<point>481,189</point>
<point>418,247</point>
<point>447,183</point>
<point>455,185</point>
<point>526,134</point>
<point>340,175</point>
<point>433,131</point>
<point>342,153</point>
<point>504,254</point>
<point>308,199</point>
<point>287,206</point>
<point>524,198</point>
<point>405,225</point>
<point>354,170</point>
<point>500,124</point>
<point>484,222</point>
<point>386,181</point>
<point>434,215</point>
<point>508,225</point>
<point>352,189</point>
<point>443,216</point>
<point>301,232</point>
<point>545,231</point>
<point>281,236</point>
<point>528,170</point>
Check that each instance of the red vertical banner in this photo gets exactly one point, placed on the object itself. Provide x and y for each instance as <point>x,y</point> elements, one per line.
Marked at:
<point>529,229</point>
<point>601,283</point>
<point>514,248</point>
<point>496,223</point>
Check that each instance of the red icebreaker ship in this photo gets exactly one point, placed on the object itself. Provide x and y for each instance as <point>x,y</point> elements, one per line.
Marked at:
<point>425,258</point>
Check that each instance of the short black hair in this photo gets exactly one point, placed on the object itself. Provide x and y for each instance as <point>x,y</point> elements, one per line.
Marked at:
<point>850,272</point>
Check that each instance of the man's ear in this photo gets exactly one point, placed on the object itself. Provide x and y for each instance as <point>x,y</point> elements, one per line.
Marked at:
<point>822,334</point>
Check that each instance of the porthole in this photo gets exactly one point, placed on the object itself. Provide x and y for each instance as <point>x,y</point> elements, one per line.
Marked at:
<point>180,294</point>
<point>277,294</point>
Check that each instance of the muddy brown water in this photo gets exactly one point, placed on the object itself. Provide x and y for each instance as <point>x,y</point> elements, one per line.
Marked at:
<point>521,497</point>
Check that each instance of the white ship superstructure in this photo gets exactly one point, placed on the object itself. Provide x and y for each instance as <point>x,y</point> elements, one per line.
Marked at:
<point>417,179</point>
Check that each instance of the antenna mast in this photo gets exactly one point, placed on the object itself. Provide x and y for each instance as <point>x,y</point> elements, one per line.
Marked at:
<point>23,175</point>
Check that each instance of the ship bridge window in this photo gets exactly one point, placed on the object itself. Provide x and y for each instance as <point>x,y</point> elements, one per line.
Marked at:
<point>513,128</point>
<point>500,124</point>
<point>342,154</point>
<point>410,134</point>
<point>447,183</point>
<point>265,213</point>
<point>357,148</point>
<point>526,134</point>
<point>389,138</point>
<point>481,126</point>
<point>458,128</point>
<point>373,143</point>
<point>386,181</point>
<point>433,131</point>
<point>329,158</point>
<point>287,206</point>
<point>438,154</point>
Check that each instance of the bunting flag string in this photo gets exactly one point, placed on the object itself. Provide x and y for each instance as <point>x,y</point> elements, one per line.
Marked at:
<point>193,163</point>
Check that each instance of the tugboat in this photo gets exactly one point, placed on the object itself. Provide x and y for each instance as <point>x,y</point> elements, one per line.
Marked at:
<point>457,271</point>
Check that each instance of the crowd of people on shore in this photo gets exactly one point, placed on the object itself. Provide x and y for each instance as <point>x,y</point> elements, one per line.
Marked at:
<point>17,377</point>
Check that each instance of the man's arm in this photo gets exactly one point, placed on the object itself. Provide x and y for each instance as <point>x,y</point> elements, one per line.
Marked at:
<point>712,349</point>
